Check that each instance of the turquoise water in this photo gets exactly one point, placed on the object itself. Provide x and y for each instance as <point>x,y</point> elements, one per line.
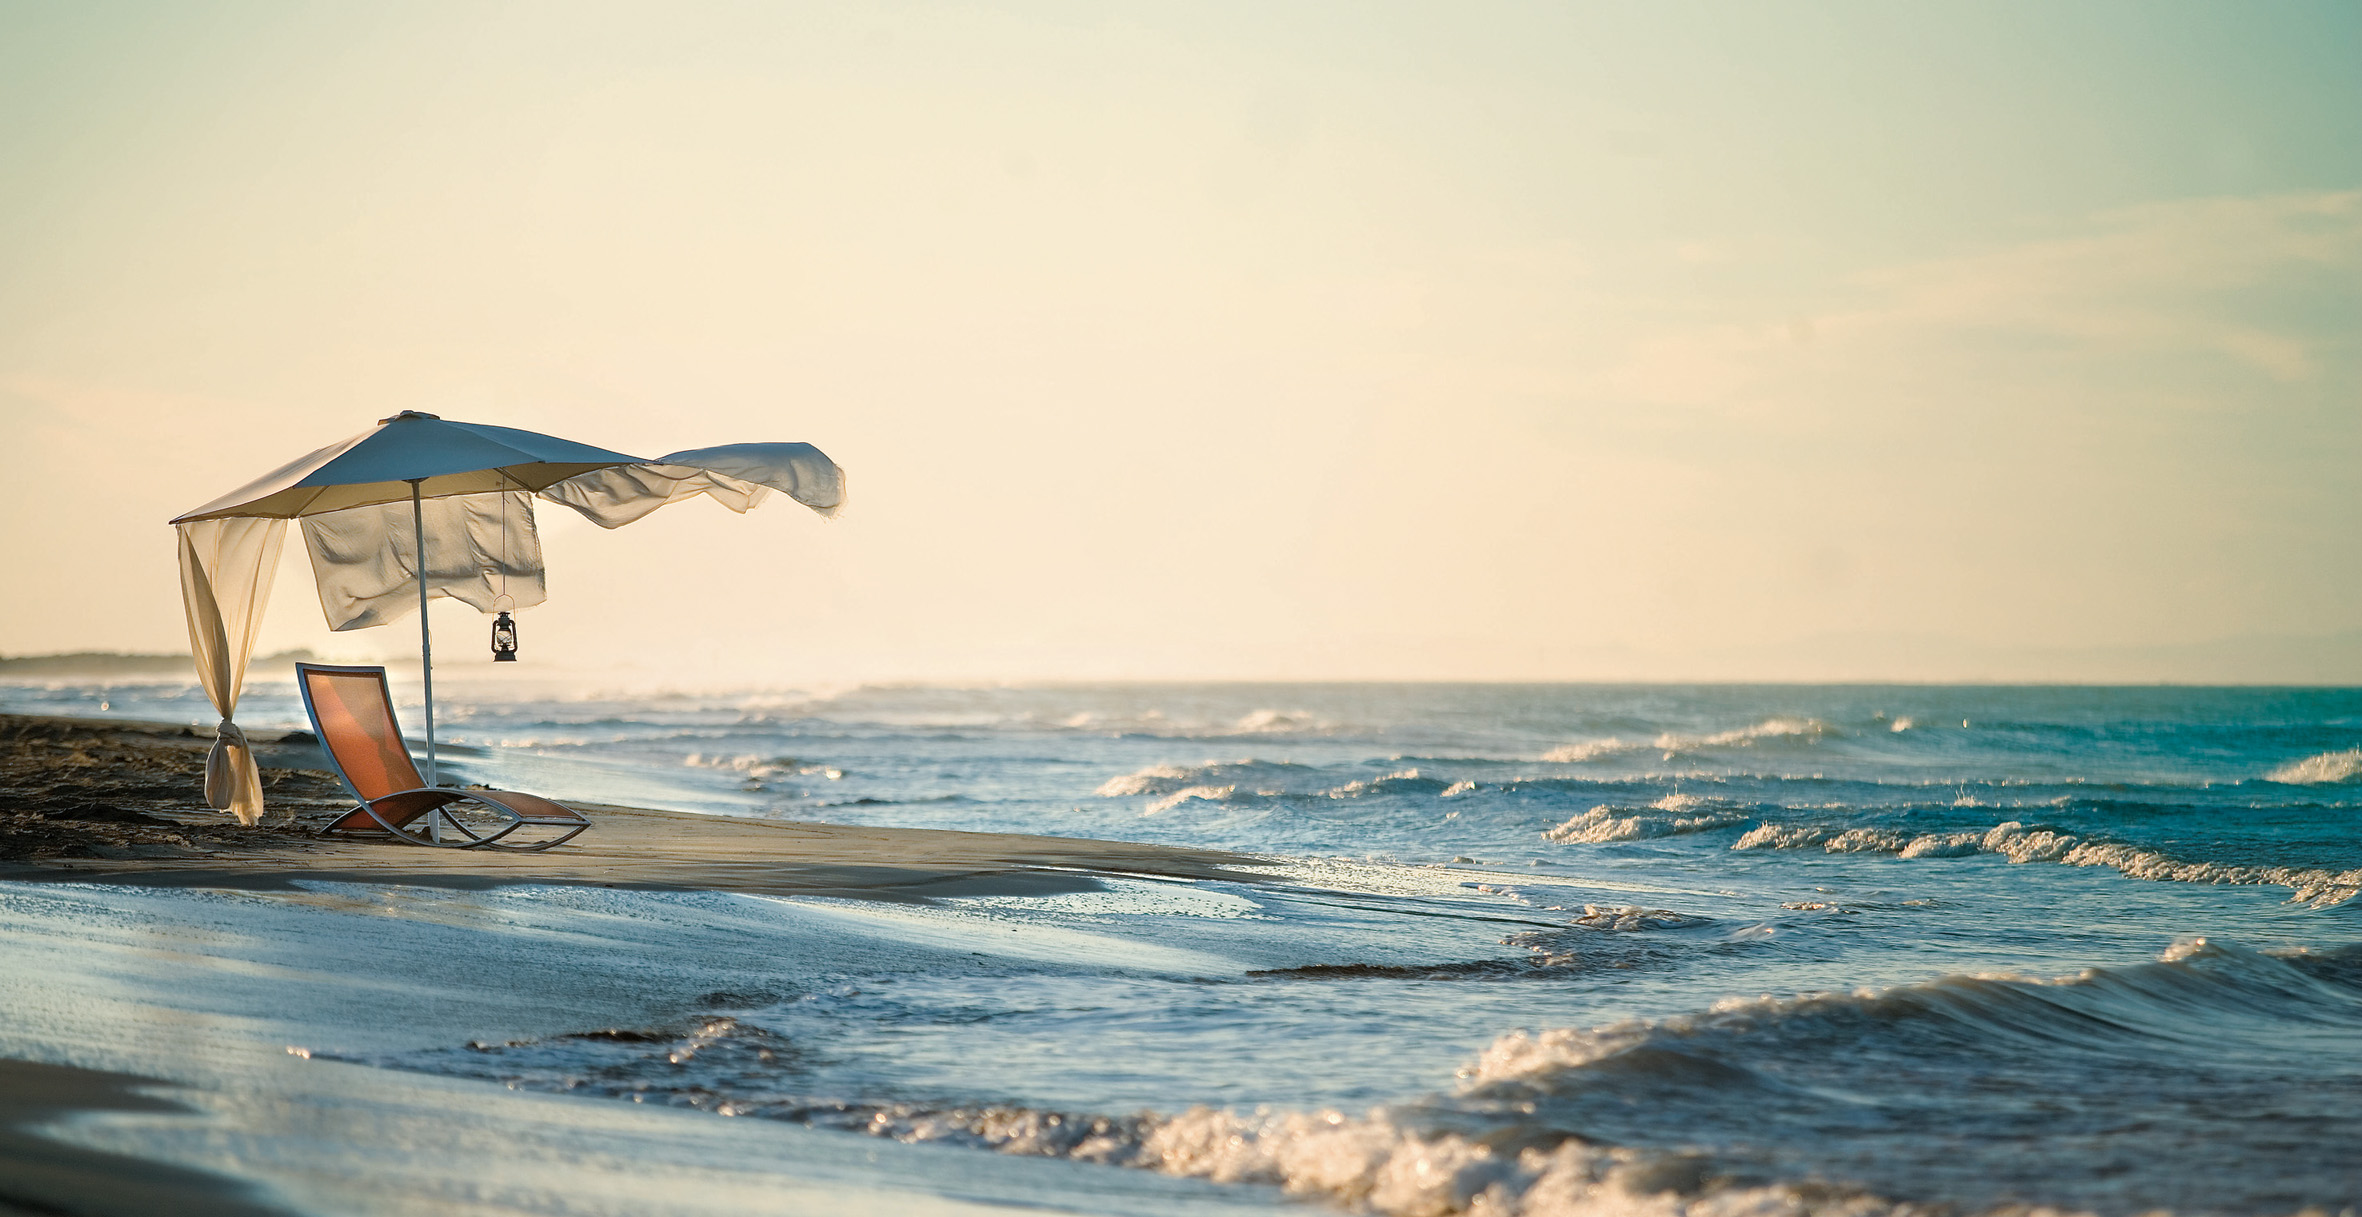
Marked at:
<point>1548,949</point>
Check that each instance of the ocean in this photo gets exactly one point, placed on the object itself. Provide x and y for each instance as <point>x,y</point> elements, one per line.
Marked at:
<point>1521,949</point>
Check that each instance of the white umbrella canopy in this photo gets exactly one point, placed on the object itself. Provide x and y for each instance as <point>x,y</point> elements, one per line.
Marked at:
<point>410,455</point>
<point>375,543</point>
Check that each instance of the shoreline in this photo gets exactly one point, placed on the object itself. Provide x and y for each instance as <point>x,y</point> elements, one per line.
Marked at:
<point>90,801</point>
<point>106,801</point>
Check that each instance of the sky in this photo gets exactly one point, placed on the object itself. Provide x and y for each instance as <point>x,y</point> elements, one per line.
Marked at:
<point>1563,341</point>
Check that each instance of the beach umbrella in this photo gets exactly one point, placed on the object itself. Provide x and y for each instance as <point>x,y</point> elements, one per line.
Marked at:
<point>408,457</point>
<point>422,506</point>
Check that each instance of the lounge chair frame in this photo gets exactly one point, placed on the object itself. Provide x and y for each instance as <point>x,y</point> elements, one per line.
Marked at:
<point>394,812</point>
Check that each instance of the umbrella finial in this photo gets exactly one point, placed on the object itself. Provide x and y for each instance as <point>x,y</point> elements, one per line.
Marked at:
<point>409,414</point>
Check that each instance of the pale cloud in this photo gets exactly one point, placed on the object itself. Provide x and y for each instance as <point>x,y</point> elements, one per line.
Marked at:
<point>2148,278</point>
<point>2165,280</point>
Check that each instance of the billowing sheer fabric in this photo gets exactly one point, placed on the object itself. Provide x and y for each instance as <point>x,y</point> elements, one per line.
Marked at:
<point>737,476</point>
<point>483,547</point>
<point>480,548</point>
<point>226,571</point>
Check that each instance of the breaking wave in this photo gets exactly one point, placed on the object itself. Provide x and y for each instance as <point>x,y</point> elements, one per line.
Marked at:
<point>1277,777</point>
<point>1673,743</point>
<point>1674,815</point>
<point>2328,767</point>
<point>1273,722</point>
<point>1588,750</point>
<point>1962,1094</point>
<point>1370,1161</point>
<point>2020,843</point>
<point>757,768</point>
<point>1155,722</point>
<point>1251,781</point>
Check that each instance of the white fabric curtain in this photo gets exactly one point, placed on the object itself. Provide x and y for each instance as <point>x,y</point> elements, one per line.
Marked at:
<point>480,548</point>
<point>737,476</point>
<point>226,569</point>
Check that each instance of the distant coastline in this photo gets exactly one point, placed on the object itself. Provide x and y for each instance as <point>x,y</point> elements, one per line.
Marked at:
<point>2327,661</point>
<point>121,663</point>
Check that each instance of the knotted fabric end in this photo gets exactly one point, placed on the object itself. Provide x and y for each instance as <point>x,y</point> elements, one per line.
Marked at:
<point>233,782</point>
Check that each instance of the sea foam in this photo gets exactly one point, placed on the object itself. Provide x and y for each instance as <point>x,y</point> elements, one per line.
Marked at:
<point>1257,781</point>
<point>1673,815</point>
<point>1675,743</point>
<point>2015,841</point>
<point>2328,767</point>
<point>1275,777</point>
<point>1806,1106</point>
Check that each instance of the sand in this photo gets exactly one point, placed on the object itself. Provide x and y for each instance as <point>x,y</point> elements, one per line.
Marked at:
<point>118,803</point>
<point>38,1175</point>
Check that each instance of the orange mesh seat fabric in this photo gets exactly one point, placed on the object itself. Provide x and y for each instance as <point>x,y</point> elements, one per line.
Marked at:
<point>531,806</point>
<point>398,808</point>
<point>354,712</point>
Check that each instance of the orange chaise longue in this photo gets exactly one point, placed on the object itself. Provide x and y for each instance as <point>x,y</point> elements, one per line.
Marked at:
<point>352,712</point>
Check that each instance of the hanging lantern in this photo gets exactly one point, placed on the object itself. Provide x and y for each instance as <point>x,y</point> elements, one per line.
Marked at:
<point>504,638</point>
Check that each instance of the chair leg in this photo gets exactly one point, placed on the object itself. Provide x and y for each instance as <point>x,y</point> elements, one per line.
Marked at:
<point>494,842</point>
<point>446,819</point>
<point>403,834</point>
<point>331,831</point>
<point>432,836</point>
<point>430,841</point>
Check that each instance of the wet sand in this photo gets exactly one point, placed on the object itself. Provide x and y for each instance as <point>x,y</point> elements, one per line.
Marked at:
<point>114,802</point>
<point>120,803</point>
<point>39,1175</point>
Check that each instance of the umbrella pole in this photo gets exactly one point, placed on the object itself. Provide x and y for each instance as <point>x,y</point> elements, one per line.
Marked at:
<point>426,637</point>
